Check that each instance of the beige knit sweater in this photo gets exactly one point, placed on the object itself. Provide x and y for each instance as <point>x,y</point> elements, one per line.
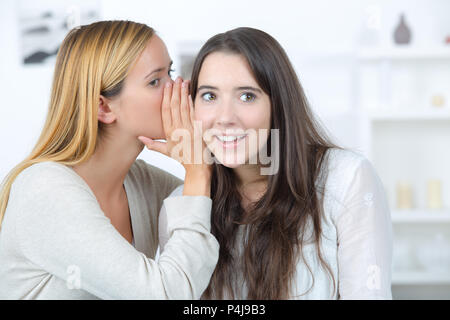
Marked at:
<point>56,243</point>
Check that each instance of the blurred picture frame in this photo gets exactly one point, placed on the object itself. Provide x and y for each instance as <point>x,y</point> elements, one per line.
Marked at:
<point>43,25</point>
<point>186,53</point>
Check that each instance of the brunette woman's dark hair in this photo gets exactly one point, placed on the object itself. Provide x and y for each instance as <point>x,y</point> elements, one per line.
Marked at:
<point>277,223</point>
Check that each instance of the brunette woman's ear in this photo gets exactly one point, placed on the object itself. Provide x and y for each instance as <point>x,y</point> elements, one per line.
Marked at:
<point>105,114</point>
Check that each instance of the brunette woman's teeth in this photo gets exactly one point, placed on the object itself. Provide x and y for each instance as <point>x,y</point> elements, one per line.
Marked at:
<point>230,138</point>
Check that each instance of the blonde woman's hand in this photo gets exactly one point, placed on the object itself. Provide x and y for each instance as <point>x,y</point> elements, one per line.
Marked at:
<point>184,138</point>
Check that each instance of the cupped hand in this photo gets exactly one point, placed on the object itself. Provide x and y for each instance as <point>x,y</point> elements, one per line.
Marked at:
<point>184,141</point>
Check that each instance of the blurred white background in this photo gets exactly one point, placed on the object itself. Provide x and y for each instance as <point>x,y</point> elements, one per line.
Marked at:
<point>388,101</point>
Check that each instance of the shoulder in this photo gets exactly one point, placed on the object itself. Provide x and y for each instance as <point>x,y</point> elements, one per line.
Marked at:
<point>45,190</point>
<point>48,176</point>
<point>343,160</point>
<point>52,168</point>
<point>343,168</point>
<point>347,173</point>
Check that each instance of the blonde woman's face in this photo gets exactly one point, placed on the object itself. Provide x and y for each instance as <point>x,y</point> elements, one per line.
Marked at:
<point>138,107</point>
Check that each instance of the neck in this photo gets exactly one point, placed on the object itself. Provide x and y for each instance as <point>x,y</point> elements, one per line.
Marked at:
<point>106,169</point>
<point>252,184</point>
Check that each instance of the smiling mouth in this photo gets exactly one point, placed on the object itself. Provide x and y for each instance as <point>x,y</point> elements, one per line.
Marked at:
<point>230,140</point>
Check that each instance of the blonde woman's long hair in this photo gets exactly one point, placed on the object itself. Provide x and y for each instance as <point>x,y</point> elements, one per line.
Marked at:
<point>93,60</point>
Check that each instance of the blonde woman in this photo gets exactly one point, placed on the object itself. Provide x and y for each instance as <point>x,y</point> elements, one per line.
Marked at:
<point>80,213</point>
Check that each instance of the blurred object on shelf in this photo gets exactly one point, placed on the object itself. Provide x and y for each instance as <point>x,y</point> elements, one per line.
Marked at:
<point>434,194</point>
<point>370,30</point>
<point>404,195</point>
<point>402,255</point>
<point>438,100</point>
<point>402,33</point>
<point>434,255</point>
<point>447,40</point>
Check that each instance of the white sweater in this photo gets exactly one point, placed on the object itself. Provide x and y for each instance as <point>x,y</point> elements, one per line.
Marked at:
<point>56,243</point>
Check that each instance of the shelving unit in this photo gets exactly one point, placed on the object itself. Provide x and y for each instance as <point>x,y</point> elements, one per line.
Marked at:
<point>420,216</point>
<point>404,53</point>
<point>415,115</point>
<point>420,278</point>
<point>397,128</point>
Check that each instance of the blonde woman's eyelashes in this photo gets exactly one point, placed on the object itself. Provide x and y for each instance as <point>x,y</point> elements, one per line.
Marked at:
<point>155,82</point>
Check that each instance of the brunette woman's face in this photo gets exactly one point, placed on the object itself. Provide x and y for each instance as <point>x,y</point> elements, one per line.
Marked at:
<point>232,108</point>
<point>137,109</point>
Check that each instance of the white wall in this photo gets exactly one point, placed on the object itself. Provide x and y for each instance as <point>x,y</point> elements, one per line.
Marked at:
<point>312,32</point>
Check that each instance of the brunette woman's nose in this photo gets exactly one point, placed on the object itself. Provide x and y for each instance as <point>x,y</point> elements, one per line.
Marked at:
<point>226,116</point>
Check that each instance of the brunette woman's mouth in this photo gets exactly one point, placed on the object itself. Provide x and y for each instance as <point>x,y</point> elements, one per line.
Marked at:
<point>230,141</point>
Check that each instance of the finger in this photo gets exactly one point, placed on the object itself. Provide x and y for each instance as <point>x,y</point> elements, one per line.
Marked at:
<point>185,118</point>
<point>166,112</point>
<point>175,103</point>
<point>154,145</point>
<point>191,110</point>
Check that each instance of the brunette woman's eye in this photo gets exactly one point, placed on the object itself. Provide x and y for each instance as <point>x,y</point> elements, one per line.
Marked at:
<point>209,96</point>
<point>154,83</point>
<point>170,72</point>
<point>247,97</point>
